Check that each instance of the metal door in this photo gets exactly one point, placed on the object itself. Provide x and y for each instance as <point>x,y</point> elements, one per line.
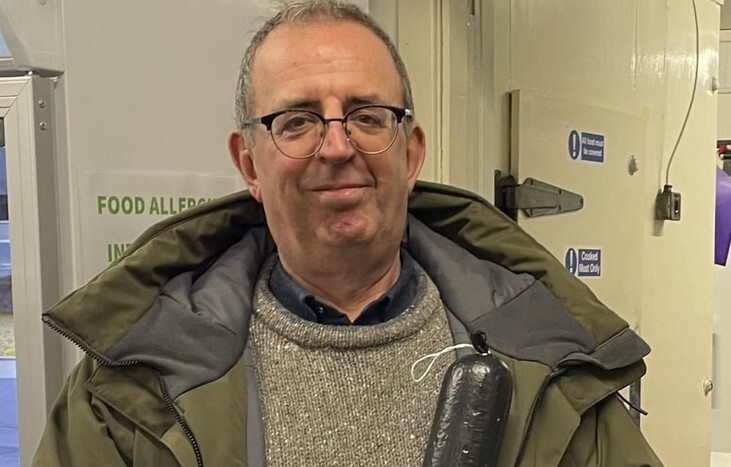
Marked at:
<point>594,152</point>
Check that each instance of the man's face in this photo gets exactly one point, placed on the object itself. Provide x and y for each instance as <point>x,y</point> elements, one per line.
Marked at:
<point>339,196</point>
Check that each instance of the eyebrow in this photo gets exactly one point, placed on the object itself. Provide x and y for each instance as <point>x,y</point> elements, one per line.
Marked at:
<point>289,104</point>
<point>363,100</point>
<point>310,104</point>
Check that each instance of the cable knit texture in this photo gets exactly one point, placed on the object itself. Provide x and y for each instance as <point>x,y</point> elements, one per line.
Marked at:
<point>343,395</point>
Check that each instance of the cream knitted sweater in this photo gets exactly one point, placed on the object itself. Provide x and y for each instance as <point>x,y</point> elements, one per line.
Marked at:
<point>344,395</point>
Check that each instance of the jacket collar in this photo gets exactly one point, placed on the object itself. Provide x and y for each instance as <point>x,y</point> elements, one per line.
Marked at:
<point>466,229</point>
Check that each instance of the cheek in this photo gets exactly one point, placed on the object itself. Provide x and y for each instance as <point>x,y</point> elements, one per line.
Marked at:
<point>391,170</point>
<point>279,183</point>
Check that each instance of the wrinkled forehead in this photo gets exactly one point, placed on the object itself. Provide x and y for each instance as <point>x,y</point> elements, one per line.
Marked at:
<point>301,60</point>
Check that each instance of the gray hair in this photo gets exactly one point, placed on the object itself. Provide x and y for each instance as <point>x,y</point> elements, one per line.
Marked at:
<point>311,11</point>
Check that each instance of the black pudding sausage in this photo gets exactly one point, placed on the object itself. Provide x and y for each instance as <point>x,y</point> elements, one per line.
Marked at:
<point>471,412</point>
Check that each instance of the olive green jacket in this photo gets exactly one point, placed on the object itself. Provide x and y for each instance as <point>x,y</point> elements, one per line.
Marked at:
<point>168,380</point>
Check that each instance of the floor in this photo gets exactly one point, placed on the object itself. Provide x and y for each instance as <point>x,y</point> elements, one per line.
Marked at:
<point>8,415</point>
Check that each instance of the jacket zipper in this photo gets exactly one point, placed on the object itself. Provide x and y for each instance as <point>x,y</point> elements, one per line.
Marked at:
<point>181,422</point>
<point>166,397</point>
<point>531,419</point>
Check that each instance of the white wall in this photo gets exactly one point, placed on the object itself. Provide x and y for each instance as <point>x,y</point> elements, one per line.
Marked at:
<point>638,56</point>
<point>634,56</point>
<point>150,85</point>
<point>146,99</point>
<point>721,411</point>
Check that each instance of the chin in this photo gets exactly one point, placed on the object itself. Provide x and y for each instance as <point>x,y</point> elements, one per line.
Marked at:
<point>347,234</point>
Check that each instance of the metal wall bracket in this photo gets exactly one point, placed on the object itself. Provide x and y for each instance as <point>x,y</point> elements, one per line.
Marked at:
<point>534,197</point>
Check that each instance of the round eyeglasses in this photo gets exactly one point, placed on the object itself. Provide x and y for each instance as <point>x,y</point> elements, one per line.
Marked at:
<point>300,134</point>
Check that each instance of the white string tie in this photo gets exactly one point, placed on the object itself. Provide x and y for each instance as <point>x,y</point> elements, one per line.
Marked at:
<point>434,357</point>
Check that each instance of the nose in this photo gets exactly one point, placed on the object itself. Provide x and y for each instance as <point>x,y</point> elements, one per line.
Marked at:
<point>336,148</point>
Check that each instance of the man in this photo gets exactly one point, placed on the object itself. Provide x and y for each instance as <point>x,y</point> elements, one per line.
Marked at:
<point>279,326</point>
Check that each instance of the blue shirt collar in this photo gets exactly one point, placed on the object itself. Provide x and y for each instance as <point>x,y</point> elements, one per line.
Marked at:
<point>305,305</point>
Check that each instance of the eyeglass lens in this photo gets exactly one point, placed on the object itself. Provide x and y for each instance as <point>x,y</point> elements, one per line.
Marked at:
<point>300,134</point>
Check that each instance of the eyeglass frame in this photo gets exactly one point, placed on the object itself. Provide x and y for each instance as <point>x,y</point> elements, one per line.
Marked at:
<point>267,120</point>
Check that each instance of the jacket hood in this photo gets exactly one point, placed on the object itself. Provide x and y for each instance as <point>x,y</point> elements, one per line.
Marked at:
<point>189,280</point>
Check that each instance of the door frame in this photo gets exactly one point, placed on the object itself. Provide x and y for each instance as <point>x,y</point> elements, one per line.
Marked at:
<point>26,106</point>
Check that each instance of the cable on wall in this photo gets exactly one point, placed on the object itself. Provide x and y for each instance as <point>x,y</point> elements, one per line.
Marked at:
<point>668,202</point>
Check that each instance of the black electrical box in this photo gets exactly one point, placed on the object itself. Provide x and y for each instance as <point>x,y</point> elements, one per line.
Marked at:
<point>667,206</point>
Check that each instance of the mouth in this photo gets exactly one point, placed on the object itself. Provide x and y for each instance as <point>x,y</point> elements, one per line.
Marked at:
<point>340,187</point>
<point>341,195</point>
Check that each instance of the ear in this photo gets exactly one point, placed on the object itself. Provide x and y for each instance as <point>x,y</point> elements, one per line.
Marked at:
<point>415,153</point>
<point>240,152</point>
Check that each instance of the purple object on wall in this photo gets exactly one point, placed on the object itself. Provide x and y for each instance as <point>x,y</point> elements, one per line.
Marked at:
<point>723,216</point>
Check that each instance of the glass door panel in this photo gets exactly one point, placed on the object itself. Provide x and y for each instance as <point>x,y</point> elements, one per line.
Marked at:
<point>9,454</point>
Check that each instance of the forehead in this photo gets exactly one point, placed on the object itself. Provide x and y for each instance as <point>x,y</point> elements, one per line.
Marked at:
<point>326,59</point>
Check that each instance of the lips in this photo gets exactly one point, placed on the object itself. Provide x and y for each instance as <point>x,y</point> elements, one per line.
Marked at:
<point>337,187</point>
<point>341,196</point>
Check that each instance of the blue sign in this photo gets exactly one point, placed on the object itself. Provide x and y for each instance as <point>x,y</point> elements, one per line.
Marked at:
<point>571,260</point>
<point>574,144</point>
<point>586,262</point>
<point>592,147</point>
<point>590,263</point>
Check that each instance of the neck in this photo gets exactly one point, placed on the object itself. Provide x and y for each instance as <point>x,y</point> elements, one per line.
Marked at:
<point>346,283</point>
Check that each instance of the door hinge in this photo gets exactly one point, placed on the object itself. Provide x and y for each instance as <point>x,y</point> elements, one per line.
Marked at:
<point>534,197</point>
